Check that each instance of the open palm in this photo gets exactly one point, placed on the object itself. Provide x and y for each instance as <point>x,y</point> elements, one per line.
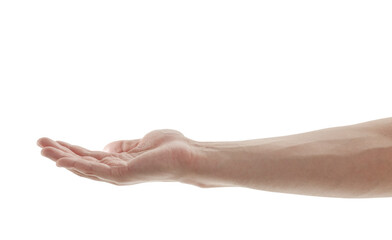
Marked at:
<point>161,155</point>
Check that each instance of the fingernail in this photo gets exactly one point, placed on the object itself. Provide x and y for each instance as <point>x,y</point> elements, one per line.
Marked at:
<point>39,145</point>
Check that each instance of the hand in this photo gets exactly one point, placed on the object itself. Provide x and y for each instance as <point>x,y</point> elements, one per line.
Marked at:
<point>161,155</point>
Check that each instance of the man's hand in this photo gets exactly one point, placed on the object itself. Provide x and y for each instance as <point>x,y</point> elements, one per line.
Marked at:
<point>161,155</point>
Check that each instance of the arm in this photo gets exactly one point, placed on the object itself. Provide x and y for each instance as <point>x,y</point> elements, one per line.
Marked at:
<point>348,161</point>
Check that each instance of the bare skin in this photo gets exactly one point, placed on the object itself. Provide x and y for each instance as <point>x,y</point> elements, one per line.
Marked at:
<point>352,161</point>
<point>159,156</point>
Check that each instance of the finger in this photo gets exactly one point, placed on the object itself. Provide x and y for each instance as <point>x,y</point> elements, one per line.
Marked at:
<point>83,151</point>
<point>92,177</point>
<point>85,166</point>
<point>85,176</point>
<point>90,158</point>
<point>54,153</point>
<point>47,142</point>
<point>121,146</point>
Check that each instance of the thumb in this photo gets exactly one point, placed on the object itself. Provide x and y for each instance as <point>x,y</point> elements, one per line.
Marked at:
<point>121,146</point>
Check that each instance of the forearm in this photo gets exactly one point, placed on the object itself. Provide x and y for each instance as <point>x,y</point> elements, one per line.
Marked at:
<point>347,161</point>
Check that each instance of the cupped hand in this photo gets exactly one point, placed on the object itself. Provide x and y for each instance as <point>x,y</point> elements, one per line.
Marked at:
<point>161,155</point>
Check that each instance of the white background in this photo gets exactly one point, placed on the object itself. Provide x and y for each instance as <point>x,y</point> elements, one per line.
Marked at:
<point>91,72</point>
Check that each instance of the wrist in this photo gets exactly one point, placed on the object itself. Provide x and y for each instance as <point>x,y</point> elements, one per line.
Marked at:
<point>213,164</point>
